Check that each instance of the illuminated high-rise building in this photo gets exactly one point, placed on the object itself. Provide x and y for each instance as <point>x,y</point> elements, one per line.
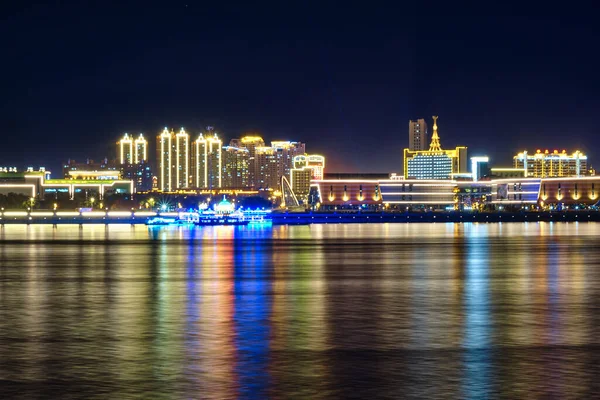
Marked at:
<point>140,149</point>
<point>207,163</point>
<point>235,167</point>
<point>251,143</point>
<point>267,176</point>
<point>434,163</point>
<point>125,149</point>
<point>165,149</point>
<point>285,152</point>
<point>417,135</point>
<point>182,160</point>
<point>551,164</point>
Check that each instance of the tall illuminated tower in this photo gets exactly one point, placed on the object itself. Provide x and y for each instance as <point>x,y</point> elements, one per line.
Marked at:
<point>182,160</point>
<point>165,159</point>
<point>141,149</point>
<point>207,161</point>
<point>214,162</point>
<point>125,146</point>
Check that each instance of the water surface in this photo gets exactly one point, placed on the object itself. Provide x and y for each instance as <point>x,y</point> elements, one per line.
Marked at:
<point>324,311</point>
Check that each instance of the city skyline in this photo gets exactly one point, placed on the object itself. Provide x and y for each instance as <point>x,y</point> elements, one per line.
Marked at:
<point>290,74</point>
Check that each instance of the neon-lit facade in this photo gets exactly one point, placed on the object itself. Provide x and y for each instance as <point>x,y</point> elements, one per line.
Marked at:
<point>37,184</point>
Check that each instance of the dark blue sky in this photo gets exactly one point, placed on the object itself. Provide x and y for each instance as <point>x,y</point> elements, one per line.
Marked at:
<point>344,80</point>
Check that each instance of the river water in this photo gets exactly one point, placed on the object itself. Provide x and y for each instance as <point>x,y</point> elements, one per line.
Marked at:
<point>324,311</point>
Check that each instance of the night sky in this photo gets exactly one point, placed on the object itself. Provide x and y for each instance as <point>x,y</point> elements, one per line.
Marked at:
<point>344,80</point>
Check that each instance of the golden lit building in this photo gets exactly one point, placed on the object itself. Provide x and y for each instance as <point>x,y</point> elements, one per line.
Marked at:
<point>207,161</point>
<point>551,164</point>
<point>165,149</point>
<point>235,167</point>
<point>140,149</point>
<point>435,163</point>
<point>125,148</point>
<point>182,160</point>
<point>132,151</point>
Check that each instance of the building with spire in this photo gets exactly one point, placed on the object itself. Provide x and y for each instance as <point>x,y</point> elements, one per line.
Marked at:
<point>435,163</point>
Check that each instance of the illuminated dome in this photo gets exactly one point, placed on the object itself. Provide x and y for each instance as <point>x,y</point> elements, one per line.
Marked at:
<point>224,206</point>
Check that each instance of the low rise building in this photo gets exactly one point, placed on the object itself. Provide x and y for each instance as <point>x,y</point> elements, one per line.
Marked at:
<point>551,164</point>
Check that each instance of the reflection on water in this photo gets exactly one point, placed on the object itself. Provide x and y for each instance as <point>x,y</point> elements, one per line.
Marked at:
<point>325,311</point>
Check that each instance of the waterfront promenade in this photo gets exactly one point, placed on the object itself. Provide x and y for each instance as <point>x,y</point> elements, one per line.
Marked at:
<point>303,218</point>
